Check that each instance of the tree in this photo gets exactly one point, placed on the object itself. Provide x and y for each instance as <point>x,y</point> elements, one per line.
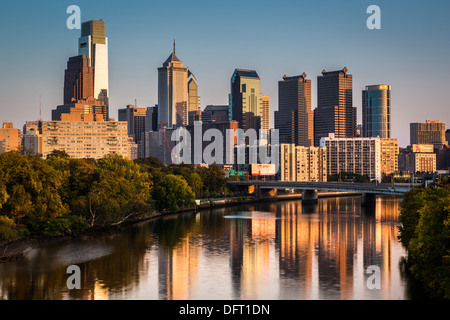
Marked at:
<point>122,191</point>
<point>425,232</point>
<point>173,193</point>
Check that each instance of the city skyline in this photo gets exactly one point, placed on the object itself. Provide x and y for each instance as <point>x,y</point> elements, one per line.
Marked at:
<point>396,54</point>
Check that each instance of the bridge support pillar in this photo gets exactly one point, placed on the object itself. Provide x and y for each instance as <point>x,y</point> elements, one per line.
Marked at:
<point>310,196</point>
<point>368,199</point>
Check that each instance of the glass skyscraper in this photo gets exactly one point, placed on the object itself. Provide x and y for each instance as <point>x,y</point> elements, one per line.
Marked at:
<point>376,111</point>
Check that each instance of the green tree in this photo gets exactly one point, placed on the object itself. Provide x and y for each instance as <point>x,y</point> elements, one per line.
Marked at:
<point>173,193</point>
<point>122,191</point>
<point>425,232</point>
<point>30,187</point>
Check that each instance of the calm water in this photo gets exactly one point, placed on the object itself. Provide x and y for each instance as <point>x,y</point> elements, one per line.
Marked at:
<point>263,251</point>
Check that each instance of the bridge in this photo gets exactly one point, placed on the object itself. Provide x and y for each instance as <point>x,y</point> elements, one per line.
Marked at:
<point>310,189</point>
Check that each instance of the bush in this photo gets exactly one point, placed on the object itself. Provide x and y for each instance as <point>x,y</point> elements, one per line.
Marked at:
<point>7,228</point>
<point>48,227</point>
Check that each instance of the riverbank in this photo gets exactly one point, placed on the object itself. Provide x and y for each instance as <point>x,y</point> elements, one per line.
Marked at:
<point>16,249</point>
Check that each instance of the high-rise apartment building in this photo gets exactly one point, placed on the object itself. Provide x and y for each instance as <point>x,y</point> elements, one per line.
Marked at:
<point>94,44</point>
<point>355,155</point>
<point>173,93</point>
<point>376,111</point>
<point>389,156</point>
<point>294,118</point>
<point>335,112</point>
<point>85,136</point>
<point>298,163</point>
<point>78,79</point>
<point>429,132</point>
<point>11,137</point>
<point>246,99</point>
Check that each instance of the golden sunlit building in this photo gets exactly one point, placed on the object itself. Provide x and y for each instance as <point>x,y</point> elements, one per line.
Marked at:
<point>11,137</point>
<point>299,163</point>
<point>85,136</point>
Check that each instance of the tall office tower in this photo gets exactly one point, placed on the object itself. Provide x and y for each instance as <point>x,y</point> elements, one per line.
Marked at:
<point>245,99</point>
<point>266,112</point>
<point>78,79</point>
<point>430,132</point>
<point>376,111</point>
<point>135,117</point>
<point>173,93</point>
<point>335,112</point>
<point>151,119</point>
<point>94,44</point>
<point>194,99</point>
<point>447,136</point>
<point>294,118</point>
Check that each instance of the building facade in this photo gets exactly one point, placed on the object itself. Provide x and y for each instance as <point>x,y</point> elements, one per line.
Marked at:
<point>306,164</point>
<point>376,111</point>
<point>294,118</point>
<point>417,158</point>
<point>335,112</point>
<point>135,118</point>
<point>246,99</point>
<point>11,137</point>
<point>354,155</point>
<point>78,79</point>
<point>389,156</point>
<point>93,43</point>
<point>194,98</point>
<point>84,106</point>
<point>429,132</point>
<point>173,93</point>
<point>85,136</point>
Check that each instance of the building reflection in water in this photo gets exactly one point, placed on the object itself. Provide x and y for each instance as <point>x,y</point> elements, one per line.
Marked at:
<point>279,250</point>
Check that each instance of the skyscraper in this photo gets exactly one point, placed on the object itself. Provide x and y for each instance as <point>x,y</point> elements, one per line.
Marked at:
<point>245,99</point>
<point>429,132</point>
<point>294,118</point>
<point>135,117</point>
<point>376,111</point>
<point>194,99</point>
<point>173,92</point>
<point>335,112</point>
<point>94,44</point>
<point>78,79</point>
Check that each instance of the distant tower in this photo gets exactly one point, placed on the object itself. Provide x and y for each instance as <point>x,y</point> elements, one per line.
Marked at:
<point>78,79</point>
<point>94,44</point>
<point>173,92</point>
<point>246,99</point>
<point>335,112</point>
<point>294,118</point>
<point>376,111</point>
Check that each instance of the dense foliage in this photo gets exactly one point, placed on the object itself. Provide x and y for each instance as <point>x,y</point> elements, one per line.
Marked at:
<point>425,232</point>
<point>61,194</point>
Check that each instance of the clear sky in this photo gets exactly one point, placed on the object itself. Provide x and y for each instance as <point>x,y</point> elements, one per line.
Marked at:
<point>411,52</point>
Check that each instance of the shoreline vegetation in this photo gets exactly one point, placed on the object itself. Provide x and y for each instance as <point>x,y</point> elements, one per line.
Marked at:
<point>425,232</point>
<point>60,197</point>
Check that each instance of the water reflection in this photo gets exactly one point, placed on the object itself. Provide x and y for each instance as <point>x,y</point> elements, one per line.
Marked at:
<point>279,250</point>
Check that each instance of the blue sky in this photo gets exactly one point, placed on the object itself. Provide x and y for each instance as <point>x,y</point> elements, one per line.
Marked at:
<point>411,52</point>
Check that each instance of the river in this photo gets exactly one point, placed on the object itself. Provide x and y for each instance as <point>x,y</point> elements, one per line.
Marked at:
<point>274,250</point>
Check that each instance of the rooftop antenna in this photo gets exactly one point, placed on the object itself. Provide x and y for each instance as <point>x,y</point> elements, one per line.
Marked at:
<point>173,46</point>
<point>135,103</point>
